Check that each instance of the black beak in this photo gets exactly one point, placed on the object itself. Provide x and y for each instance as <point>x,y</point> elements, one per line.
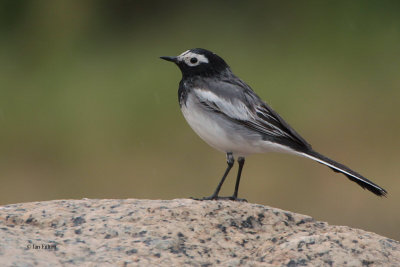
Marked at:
<point>172,59</point>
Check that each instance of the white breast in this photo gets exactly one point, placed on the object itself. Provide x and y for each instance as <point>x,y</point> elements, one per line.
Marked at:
<point>207,128</point>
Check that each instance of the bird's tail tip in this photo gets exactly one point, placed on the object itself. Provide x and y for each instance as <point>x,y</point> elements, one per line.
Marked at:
<point>350,174</point>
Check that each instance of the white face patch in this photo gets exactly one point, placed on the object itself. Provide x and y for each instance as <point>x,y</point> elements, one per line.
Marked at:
<point>192,59</point>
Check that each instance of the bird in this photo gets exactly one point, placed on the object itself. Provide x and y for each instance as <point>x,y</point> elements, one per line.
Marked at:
<point>228,115</point>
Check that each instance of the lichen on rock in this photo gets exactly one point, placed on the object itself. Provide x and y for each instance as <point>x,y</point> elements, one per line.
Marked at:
<point>179,232</point>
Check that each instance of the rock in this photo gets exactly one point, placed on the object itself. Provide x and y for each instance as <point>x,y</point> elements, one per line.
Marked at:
<point>180,232</point>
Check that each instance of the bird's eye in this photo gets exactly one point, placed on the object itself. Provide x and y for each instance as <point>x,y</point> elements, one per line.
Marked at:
<point>193,60</point>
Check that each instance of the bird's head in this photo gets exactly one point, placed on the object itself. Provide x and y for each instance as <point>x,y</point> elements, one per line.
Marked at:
<point>199,62</point>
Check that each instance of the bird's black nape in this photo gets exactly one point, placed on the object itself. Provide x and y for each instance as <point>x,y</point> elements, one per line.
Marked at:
<point>215,61</point>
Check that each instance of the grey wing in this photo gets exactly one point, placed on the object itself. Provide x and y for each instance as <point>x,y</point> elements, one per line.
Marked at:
<point>238,103</point>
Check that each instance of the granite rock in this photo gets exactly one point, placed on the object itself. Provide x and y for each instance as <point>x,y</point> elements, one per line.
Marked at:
<point>132,232</point>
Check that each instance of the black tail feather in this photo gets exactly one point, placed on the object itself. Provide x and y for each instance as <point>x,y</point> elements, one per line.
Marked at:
<point>352,175</point>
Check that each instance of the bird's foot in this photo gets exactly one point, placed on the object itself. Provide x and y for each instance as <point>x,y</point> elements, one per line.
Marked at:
<point>206,198</point>
<point>232,198</point>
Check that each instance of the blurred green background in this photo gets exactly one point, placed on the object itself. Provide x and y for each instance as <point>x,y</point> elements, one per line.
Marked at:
<point>87,109</point>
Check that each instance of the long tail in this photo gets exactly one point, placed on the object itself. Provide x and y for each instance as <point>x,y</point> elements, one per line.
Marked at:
<point>352,175</point>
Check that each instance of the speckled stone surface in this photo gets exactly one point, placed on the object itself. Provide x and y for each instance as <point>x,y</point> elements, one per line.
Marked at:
<point>178,232</point>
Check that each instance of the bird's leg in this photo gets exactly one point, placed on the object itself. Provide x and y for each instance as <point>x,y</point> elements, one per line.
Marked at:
<point>230,160</point>
<point>235,194</point>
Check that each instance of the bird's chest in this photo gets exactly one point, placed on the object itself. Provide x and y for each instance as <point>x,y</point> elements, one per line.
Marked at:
<point>182,92</point>
<point>203,123</point>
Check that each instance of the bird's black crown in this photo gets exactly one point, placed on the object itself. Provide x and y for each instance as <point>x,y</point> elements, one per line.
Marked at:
<point>199,62</point>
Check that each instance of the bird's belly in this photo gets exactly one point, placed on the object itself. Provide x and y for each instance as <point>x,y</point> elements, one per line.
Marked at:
<point>208,129</point>
<point>224,134</point>
<point>221,133</point>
